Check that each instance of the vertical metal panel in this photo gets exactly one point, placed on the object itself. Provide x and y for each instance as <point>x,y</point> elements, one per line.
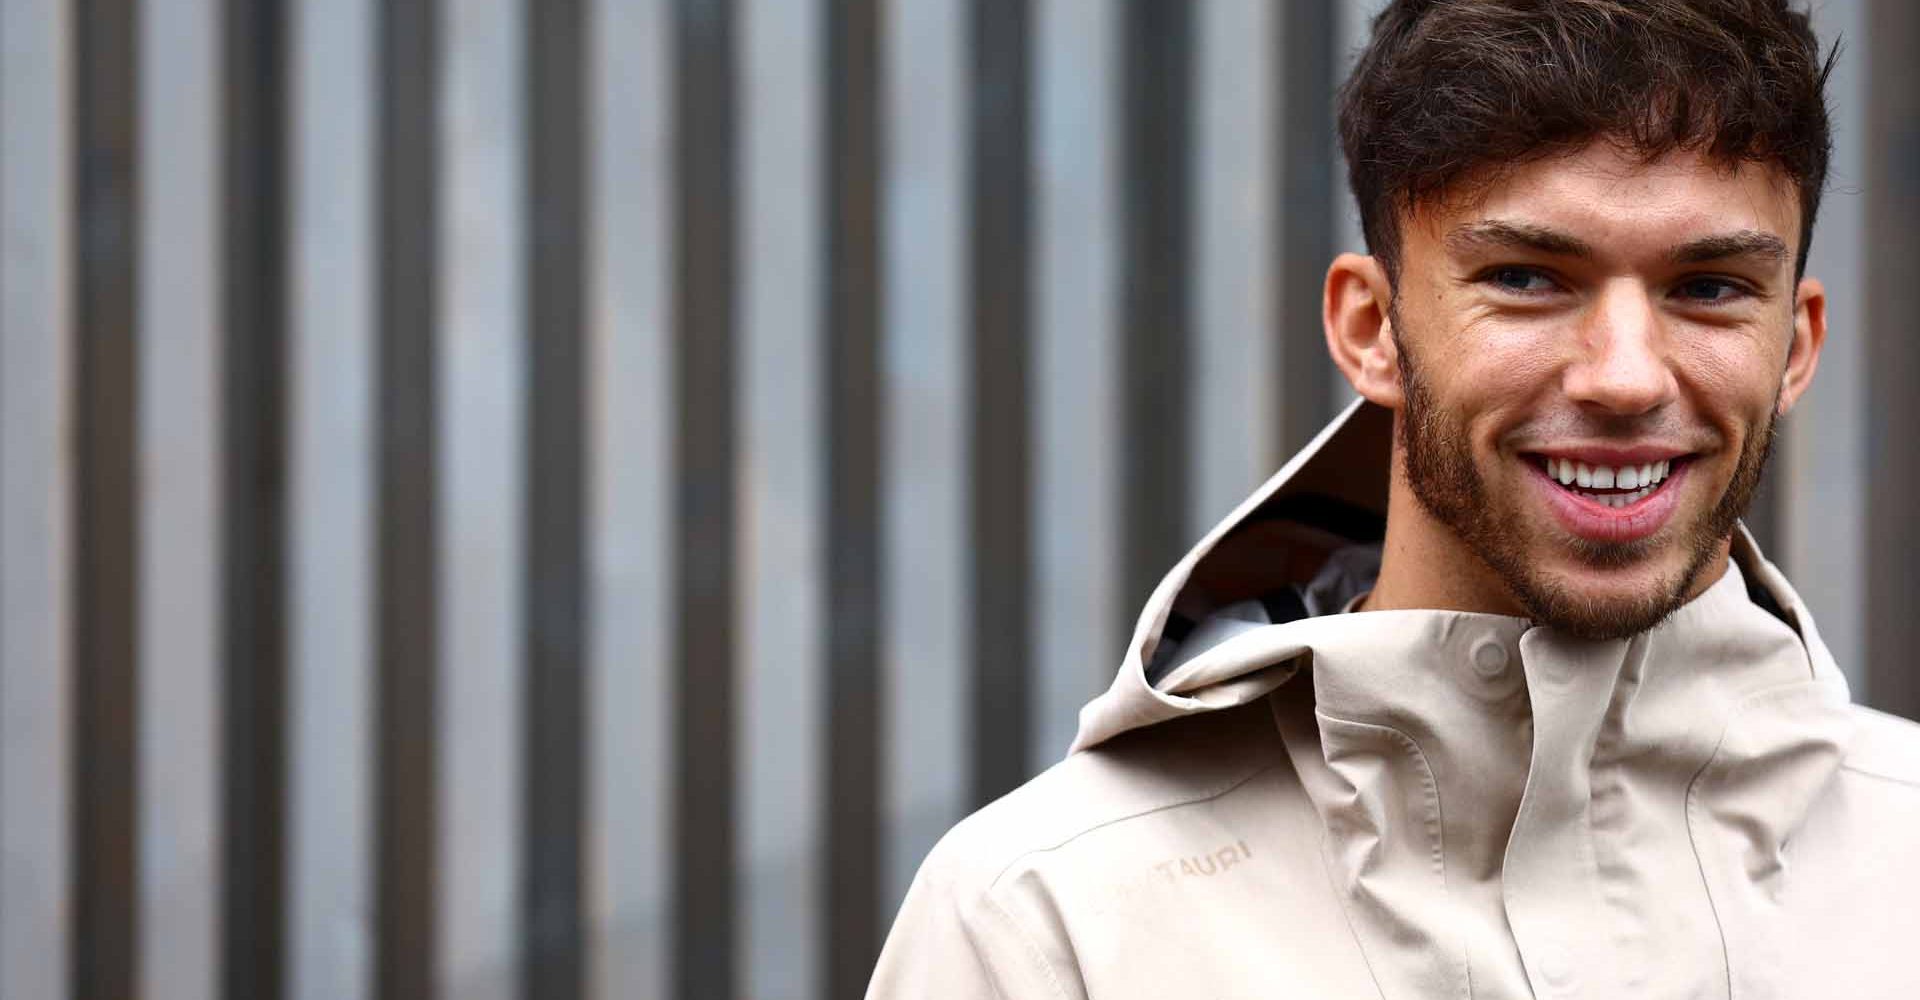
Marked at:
<point>926,550</point>
<point>1229,446</point>
<point>852,341</point>
<point>36,496</point>
<point>705,503</point>
<point>1077,630</point>
<point>1822,457</point>
<point>330,569</point>
<point>106,599</point>
<point>408,624</point>
<point>633,392</point>
<point>1353,25</point>
<point>783,716</point>
<point>998,457</point>
<point>1306,383</point>
<point>553,784</point>
<point>252,501</point>
<point>480,343</point>
<point>1893,357</point>
<point>1155,285</point>
<point>179,477</point>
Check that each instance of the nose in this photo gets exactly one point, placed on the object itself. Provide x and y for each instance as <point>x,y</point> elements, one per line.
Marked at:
<point>1622,367</point>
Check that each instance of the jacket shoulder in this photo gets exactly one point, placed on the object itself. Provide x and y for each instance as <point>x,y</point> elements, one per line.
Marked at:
<point>1884,746</point>
<point>1178,763</point>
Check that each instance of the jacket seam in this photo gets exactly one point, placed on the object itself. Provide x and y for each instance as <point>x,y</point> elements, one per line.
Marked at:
<point>1709,770</point>
<point>1033,949</point>
<point>1437,834</point>
<point>1700,849</point>
<point>1867,772</point>
<point>1225,790</point>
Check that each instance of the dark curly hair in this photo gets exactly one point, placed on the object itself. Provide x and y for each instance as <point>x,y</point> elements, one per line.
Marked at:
<point>1445,88</point>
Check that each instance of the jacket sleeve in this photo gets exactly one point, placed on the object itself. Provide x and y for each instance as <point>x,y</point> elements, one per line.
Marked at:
<point>954,940</point>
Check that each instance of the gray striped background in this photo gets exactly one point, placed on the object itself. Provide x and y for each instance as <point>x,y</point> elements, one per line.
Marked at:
<point>570,498</point>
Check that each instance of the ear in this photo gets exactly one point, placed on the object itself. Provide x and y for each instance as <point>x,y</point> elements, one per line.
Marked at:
<point>1809,335</point>
<point>1359,328</point>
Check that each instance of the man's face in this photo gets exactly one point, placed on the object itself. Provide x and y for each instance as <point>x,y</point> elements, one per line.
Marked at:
<point>1598,319</point>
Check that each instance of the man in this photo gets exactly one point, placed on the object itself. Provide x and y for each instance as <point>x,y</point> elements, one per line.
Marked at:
<point>1553,727</point>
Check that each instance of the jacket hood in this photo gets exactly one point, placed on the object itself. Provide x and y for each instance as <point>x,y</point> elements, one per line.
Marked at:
<point>1275,549</point>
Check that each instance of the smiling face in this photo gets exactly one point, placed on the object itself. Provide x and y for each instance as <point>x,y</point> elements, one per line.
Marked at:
<point>1586,355</point>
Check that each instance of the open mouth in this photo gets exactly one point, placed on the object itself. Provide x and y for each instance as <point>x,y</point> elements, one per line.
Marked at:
<point>1618,487</point>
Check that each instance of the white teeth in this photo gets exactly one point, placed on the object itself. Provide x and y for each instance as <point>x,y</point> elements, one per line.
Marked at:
<point>1641,479</point>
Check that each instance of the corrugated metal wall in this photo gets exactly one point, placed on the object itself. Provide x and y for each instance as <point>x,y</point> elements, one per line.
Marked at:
<point>557,499</point>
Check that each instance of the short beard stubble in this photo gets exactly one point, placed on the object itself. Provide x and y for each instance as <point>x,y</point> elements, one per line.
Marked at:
<point>1445,481</point>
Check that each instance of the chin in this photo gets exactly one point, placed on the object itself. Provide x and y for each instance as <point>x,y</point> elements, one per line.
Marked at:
<point>1625,595</point>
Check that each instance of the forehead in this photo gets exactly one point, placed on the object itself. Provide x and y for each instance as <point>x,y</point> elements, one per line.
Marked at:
<point>1617,201</point>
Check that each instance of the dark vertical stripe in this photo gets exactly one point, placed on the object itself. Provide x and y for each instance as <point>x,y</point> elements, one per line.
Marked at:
<point>106,606</point>
<point>1893,287</point>
<point>253,306</point>
<point>554,793</point>
<point>1158,73</point>
<point>406,618</point>
<point>851,327</point>
<point>998,445</point>
<point>705,506</point>
<point>1305,220</point>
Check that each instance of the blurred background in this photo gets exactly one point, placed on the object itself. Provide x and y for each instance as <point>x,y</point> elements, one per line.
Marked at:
<point>570,498</point>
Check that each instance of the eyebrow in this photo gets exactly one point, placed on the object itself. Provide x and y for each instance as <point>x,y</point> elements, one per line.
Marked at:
<point>1496,234</point>
<point>1745,243</point>
<point>1500,234</point>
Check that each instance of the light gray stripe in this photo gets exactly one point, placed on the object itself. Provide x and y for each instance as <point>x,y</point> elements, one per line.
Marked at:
<point>331,495</point>
<point>1822,460</point>
<point>179,480</point>
<point>926,648</point>
<point>782,683</point>
<point>36,496</point>
<point>481,393</point>
<point>629,253</point>
<point>1230,442</point>
<point>1077,635</point>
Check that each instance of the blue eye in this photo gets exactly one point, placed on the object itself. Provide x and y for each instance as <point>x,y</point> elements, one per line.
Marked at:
<point>1710,290</point>
<point>1523,280</point>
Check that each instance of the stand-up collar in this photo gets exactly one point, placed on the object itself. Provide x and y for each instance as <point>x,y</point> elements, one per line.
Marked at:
<point>1509,810</point>
<point>1285,527</point>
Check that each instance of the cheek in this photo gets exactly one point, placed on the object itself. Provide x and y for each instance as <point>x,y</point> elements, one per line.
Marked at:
<point>1509,379</point>
<point>1735,380</point>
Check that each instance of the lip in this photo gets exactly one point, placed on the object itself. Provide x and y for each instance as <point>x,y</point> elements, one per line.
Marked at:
<point>1598,522</point>
<point>1613,456</point>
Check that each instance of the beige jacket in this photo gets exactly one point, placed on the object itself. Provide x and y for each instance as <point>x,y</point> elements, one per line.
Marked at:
<point>1426,804</point>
